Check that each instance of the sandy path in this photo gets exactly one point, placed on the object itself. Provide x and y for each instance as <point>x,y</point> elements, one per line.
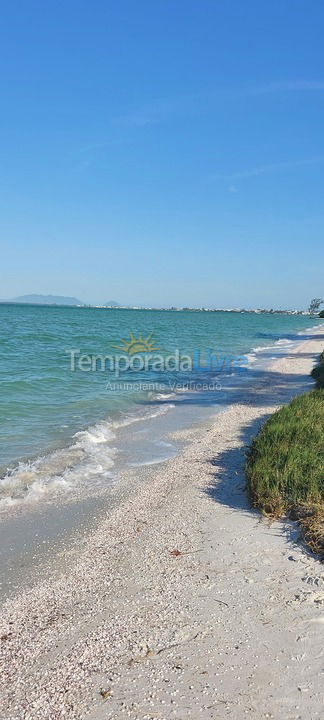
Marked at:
<point>231,627</point>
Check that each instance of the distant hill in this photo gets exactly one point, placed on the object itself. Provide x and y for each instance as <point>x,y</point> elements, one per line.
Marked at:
<point>112,303</point>
<point>47,300</point>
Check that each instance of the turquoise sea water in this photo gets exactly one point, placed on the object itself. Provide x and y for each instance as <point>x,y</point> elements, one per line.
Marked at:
<point>57,425</point>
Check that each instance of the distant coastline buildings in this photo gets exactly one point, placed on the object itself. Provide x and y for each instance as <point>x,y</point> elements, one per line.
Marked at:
<point>62,301</point>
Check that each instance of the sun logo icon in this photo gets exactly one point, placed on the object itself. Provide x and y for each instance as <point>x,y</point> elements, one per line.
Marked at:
<point>137,345</point>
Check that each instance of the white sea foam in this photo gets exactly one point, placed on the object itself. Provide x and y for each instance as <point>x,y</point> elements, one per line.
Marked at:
<point>250,358</point>
<point>279,345</point>
<point>163,396</point>
<point>87,462</point>
<point>88,459</point>
<point>129,419</point>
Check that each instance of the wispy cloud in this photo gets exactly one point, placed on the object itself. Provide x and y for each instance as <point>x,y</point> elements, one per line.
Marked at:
<point>161,110</point>
<point>99,146</point>
<point>272,167</point>
<point>158,110</point>
<point>90,154</point>
<point>278,87</point>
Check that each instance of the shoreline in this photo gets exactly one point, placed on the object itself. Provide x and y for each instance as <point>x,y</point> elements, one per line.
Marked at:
<point>67,460</point>
<point>36,534</point>
<point>221,619</point>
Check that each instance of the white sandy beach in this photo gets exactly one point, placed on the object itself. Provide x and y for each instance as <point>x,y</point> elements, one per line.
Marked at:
<point>231,624</point>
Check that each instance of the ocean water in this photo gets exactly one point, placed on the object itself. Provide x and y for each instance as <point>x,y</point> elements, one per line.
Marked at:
<point>68,428</point>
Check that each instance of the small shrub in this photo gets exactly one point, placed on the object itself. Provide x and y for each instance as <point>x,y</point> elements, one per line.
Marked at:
<point>285,465</point>
<point>318,372</point>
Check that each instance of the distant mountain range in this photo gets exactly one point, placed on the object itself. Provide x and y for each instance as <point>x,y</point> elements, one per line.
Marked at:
<point>46,300</point>
<point>54,300</point>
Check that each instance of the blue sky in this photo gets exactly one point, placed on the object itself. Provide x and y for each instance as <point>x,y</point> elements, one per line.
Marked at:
<point>163,152</point>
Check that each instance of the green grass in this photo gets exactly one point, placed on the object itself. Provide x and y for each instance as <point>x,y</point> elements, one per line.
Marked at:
<point>285,465</point>
<point>318,372</point>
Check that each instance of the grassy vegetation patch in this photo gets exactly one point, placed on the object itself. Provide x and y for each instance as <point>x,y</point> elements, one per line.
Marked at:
<point>285,466</point>
<point>318,372</point>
